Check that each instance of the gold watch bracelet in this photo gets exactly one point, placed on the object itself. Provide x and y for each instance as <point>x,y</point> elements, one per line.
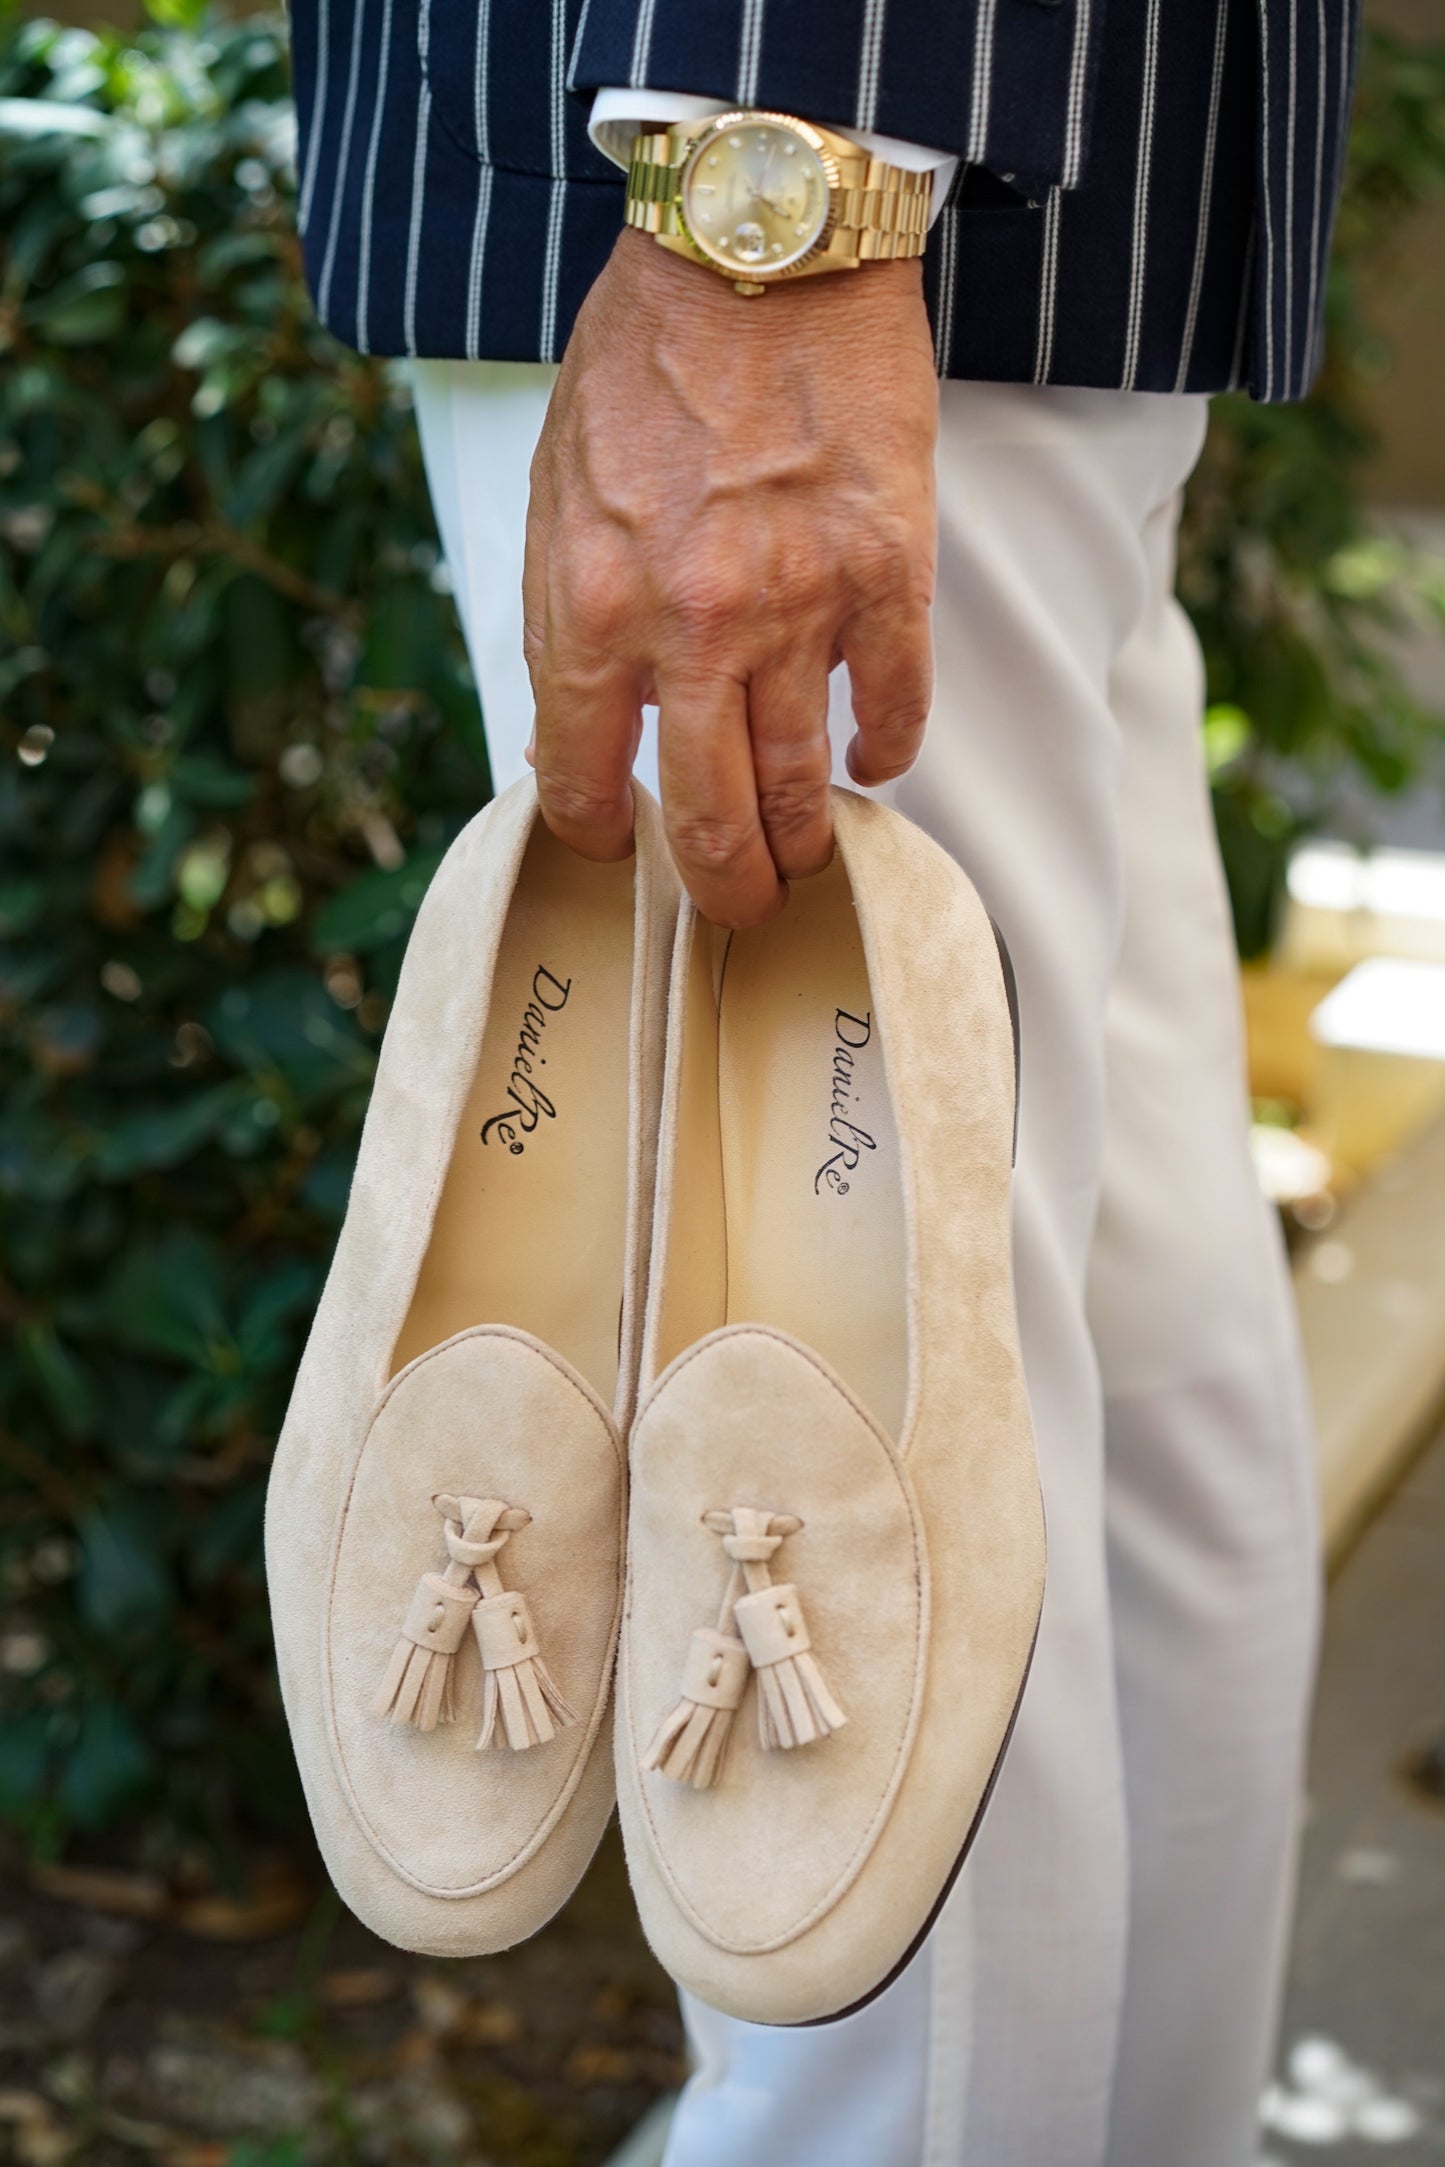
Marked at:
<point>879,212</point>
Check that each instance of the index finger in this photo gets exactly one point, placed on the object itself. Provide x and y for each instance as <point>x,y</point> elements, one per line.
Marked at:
<point>589,721</point>
<point>710,799</point>
<point>588,712</point>
<point>889,653</point>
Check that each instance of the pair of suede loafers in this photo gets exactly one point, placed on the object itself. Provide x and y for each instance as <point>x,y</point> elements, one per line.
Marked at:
<point>670,1347</point>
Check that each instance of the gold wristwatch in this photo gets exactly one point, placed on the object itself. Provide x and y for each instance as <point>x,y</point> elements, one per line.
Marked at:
<point>761,198</point>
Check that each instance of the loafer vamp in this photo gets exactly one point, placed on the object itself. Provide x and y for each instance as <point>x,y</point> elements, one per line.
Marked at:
<point>749,1418</point>
<point>494,1414</point>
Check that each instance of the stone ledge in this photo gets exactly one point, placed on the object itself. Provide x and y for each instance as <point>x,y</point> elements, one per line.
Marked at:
<point>1371,1296</point>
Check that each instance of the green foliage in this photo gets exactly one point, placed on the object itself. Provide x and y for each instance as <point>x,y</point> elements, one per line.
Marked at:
<point>1291,588</point>
<point>237,732</point>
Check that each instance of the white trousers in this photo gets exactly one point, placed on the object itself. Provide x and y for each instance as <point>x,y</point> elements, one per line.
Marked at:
<point>1102,1987</point>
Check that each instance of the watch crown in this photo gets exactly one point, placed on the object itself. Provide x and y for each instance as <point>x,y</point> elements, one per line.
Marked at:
<point>746,286</point>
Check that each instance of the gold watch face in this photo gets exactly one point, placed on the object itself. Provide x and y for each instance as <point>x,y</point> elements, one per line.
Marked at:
<point>755,197</point>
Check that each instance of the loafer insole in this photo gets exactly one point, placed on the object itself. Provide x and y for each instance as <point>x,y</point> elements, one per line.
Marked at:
<point>530,1227</point>
<point>811,1177</point>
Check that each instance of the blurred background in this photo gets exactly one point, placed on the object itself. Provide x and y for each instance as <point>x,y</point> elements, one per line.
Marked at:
<point>237,732</point>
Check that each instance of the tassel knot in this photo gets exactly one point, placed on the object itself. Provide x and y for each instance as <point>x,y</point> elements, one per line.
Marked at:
<point>761,1630</point>
<point>518,1688</point>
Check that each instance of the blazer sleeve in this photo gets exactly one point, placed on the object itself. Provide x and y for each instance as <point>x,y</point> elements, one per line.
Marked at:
<point>1006,84</point>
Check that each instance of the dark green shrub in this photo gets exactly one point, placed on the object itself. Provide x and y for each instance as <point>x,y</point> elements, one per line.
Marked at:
<point>237,731</point>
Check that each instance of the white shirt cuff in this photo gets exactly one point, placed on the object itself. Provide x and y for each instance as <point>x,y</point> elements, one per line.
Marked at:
<point>619,115</point>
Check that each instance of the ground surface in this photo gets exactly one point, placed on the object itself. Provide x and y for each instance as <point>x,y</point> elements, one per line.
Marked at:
<point>1362,2072</point>
<point>125,2039</point>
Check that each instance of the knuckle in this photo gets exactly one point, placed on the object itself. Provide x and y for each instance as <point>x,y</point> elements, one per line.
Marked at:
<point>789,807</point>
<point>899,722</point>
<point>565,683</point>
<point>574,803</point>
<point>702,607</point>
<point>888,563</point>
<point>880,560</point>
<point>715,843</point>
<point>591,586</point>
<point>798,591</point>
<point>596,604</point>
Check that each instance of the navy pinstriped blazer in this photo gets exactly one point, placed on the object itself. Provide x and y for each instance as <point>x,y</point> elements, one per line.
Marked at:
<point>1145,199</point>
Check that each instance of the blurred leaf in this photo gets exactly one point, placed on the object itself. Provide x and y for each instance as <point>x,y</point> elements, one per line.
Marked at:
<point>105,1768</point>
<point>84,309</point>
<point>122,1584</point>
<point>232,1534</point>
<point>166,1299</point>
<point>286,1294</point>
<point>202,780</point>
<point>24,1762</point>
<point>376,908</point>
<point>287,1023</point>
<point>63,1383</point>
<point>166,1133</point>
<point>328,1184</point>
<point>268,2152</point>
<point>21,903</point>
<point>34,117</point>
<point>152,880</point>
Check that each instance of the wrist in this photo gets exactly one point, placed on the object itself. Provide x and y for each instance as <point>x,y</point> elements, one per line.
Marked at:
<point>662,290</point>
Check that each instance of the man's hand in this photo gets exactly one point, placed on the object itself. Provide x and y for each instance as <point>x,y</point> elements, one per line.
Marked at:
<point>729,497</point>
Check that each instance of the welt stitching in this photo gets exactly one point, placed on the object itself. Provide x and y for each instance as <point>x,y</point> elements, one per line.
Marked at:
<point>867,1841</point>
<point>589,1738</point>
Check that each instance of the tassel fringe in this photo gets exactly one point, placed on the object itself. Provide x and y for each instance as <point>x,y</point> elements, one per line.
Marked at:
<point>794,1705</point>
<point>691,1745</point>
<point>531,1708</point>
<point>417,1688</point>
<point>761,1630</point>
<point>692,1741</point>
<point>522,1704</point>
<point>517,1686</point>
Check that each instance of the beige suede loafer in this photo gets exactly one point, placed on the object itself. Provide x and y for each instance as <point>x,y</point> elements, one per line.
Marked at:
<point>445,1519</point>
<point>836,1549</point>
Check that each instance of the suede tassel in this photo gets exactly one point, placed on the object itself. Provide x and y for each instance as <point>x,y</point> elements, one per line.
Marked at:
<point>418,1686</point>
<point>795,1706</point>
<point>761,1628</point>
<point>795,1703</point>
<point>692,1740</point>
<point>517,1685</point>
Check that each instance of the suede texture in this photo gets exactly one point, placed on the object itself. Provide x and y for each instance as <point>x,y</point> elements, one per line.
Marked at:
<point>793,1889</point>
<point>490,1413</point>
<point>454,1872</point>
<point>749,1417</point>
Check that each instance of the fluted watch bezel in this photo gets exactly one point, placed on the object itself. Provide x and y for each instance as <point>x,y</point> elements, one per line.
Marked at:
<point>875,212</point>
<point>717,131</point>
